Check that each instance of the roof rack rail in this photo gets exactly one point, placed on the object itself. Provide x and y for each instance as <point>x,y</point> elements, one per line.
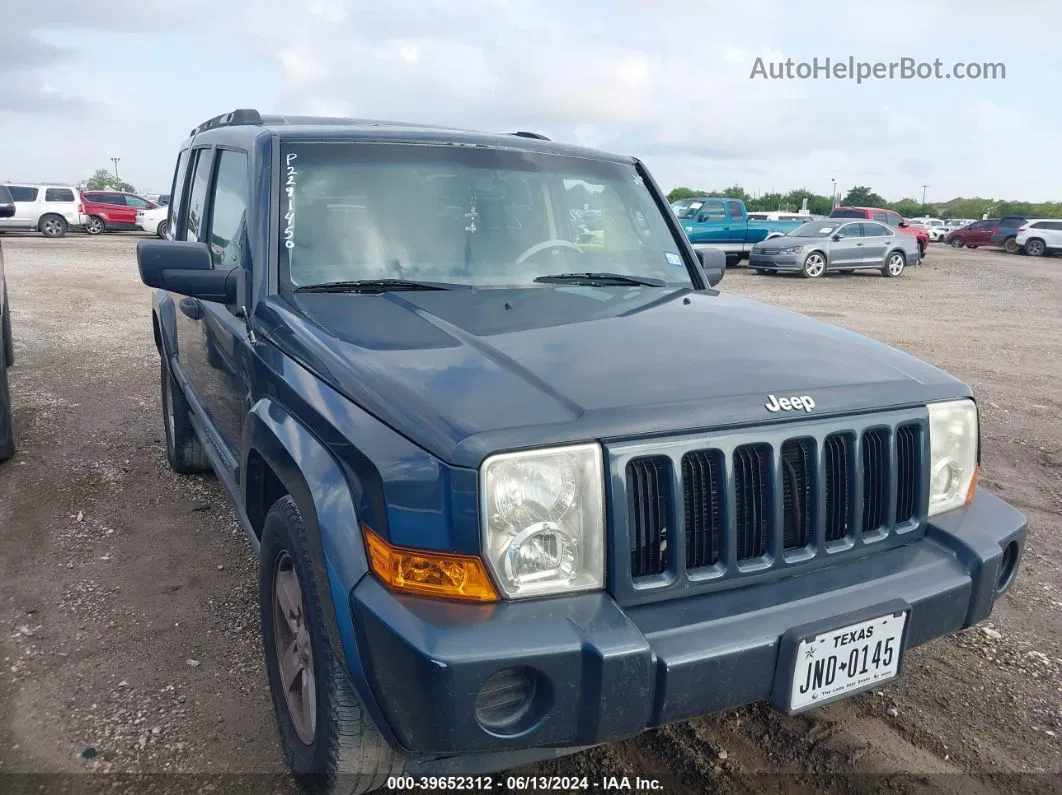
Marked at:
<point>525,134</point>
<point>232,119</point>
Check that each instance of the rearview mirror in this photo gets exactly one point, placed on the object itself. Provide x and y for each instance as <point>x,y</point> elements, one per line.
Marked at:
<point>713,263</point>
<point>185,268</point>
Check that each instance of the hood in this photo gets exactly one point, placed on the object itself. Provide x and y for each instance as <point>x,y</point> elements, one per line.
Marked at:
<point>468,373</point>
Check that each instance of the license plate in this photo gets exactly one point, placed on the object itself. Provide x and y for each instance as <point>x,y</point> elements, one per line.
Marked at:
<point>842,662</point>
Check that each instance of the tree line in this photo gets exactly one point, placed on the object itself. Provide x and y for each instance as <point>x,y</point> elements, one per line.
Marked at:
<point>103,179</point>
<point>863,196</point>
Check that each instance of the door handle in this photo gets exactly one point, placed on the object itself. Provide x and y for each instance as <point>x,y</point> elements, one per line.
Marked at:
<point>859,244</point>
<point>192,308</point>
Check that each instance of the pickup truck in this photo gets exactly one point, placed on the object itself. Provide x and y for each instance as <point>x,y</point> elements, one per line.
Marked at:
<point>493,522</point>
<point>723,223</point>
<point>889,218</point>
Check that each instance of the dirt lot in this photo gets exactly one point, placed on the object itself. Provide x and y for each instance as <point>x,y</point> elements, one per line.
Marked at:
<point>128,617</point>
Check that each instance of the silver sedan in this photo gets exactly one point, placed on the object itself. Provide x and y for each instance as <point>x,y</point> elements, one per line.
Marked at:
<point>836,244</point>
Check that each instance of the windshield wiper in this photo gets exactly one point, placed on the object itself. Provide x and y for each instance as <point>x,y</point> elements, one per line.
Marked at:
<point>375,286</point>
<point>602,279</point>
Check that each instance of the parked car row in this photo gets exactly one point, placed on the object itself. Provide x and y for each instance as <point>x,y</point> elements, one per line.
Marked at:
<point>54,210</point>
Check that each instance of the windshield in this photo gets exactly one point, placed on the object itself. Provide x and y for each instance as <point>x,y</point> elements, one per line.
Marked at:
<point>470,216</point>
<point>816,229</point>
<point>686,208</point>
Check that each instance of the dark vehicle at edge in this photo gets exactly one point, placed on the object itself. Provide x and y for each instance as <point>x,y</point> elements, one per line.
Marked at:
<point>7,351</point>
<point>503,509</point>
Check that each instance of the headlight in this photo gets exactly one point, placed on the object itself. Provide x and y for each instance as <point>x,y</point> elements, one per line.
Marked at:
<point>792,250</point>
<point>953,435</point>
<point>543,520</point>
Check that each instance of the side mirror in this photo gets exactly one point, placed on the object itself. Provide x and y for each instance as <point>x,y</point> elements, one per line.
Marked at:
<point>713,263</point>
<point>702,218</point>
<point>7,210</point>
<point>836,237</point>
<point>185,268</point>
<point>903,223</point>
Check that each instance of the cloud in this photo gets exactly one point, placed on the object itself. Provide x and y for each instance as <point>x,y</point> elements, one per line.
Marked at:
<point>666,81</point>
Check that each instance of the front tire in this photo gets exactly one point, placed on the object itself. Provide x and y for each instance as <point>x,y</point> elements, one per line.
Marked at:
<point>328,739</point>
<point>184,450</point>
<point>894,265</point>
<point>956,242</point>
<point>52,226</point>
<point>1010,245</point>
<point>1035,247</point>
<point>95,225</point>
<point>814,265</point>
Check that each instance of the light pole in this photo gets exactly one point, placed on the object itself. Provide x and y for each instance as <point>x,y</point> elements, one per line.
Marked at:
<point>115,161</point>
<point>833,193</point>
<point>924,199</point>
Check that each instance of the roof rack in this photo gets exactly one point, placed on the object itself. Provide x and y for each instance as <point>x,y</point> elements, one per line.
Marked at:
<point>525,134</point>
<point>236,117</point>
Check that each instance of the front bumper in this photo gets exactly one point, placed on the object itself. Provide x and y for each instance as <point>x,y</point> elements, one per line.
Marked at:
<point>778,262</point>
<point>606,672</point>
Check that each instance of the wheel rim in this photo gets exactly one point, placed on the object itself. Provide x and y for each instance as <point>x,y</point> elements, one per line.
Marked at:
<point>94,226</point>
<point>1011,246</point>
<point>1035,247</point>
<point>896,264</point>
<point>294,650</point>
<point>51,227</point>
<point>956,243</point>
<point>161,231</point>
<point>815,265</point>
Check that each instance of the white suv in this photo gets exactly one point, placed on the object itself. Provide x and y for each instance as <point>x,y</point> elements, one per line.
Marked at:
<point>1039,236</point>
<point>49,209</point>
<point>936,228</point>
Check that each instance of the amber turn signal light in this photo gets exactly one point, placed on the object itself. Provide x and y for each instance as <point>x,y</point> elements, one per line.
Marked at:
<point>973,484</point>
<point>426,573</point>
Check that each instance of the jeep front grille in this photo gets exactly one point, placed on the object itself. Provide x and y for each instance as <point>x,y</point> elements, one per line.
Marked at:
<point>777,498</point>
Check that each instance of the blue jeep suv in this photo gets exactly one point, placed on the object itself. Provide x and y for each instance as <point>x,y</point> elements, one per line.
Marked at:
<point>510,496</point>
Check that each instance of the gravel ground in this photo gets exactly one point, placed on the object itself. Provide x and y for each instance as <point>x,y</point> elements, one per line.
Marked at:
<point>128,615</point>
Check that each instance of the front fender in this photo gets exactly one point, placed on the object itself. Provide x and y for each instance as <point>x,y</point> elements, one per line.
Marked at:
<point>165,315</point>
<point>325,500</point>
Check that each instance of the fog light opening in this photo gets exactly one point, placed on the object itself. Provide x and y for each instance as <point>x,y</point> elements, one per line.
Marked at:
<point>1008,567</point>
<point>511,701</point>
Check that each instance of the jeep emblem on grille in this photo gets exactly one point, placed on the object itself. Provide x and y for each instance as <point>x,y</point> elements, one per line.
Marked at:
<point>792,403</point>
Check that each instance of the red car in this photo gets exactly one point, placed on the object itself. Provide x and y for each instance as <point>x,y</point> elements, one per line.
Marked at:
<point>979,233</point>
<point>889,218</point>
<point>111,211</point>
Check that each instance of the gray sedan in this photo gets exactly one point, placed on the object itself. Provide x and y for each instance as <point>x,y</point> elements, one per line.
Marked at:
<point>836,244</point>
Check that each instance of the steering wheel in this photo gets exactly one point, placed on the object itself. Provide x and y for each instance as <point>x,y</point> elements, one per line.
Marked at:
<point>546,245</point>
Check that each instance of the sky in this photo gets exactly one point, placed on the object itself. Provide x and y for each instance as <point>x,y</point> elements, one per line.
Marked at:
<point>671,83</point>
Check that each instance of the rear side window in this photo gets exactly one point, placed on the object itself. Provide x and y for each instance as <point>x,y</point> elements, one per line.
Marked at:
<point>110,199</point>
<point>197,195</point>
<point>58,195</point>
<point>880,217</point>
<point>892,219</point>
<point>228,211</point>
<point>21,194</point>
<point>180,177</point>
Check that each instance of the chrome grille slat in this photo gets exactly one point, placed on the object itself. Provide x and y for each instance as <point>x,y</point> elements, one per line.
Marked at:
<point>752,503</point>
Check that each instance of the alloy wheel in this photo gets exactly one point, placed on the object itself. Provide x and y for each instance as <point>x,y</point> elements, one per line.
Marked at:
<point>294,649</point>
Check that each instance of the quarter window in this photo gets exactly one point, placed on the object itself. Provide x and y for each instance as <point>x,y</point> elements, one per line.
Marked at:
<point>58,195</point>
<point>21,194</point>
